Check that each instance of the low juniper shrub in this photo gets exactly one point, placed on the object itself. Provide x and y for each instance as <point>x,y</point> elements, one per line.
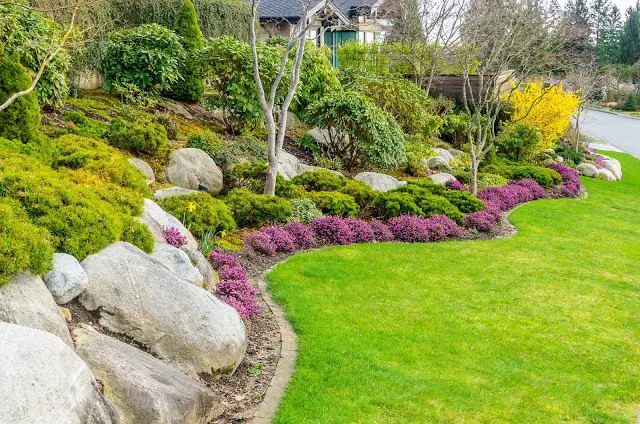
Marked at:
<point>261,243</point>
<point>301,234</point>
<point>362,232</point>
<point>174,237</point>
<point>380,231</point>
<point>280,238</point>
<point>333,230</point>
<point>455,185</point>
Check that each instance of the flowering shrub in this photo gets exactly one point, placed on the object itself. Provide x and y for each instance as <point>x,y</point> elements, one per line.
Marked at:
<point>455,185</point>
<point>333,229</point>
<point>481,221</point>
<point>221,259</point>
<point>570,179</point>
<point>261,243</point>
<point>301,234</point>
<point>280,238</point>
<point>232,272</point>
<point>504,198</point>
<point>536,189</point>
<point>408,228</point>
<point>599,161</point>
<point>174,237</point>
<point>440,227</point>
<point>362,232</point>
<point>380,231</point>
<point>234,288</point>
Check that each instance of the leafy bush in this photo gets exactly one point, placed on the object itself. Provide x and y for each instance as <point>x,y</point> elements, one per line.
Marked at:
<point>544,176</point>
<point>191,89</point>
<point>301,234</point>
<point>30,36</point>
<point>170,125</point>
<point>281,239</point>
<point>147,58</point>
<point>630,103</point>
<point>361,192</point>
<point>137,137</point>
<point>362,232</point>
<point>320,180</point>
<point>138,234</point>
<point>261,243</point>
<point>318,78</point>
<point>21,119</point>
<point>391,204</point>
<point>417,147</point>
<point>252,175</point>
<point>333,229</point>
<point>253,210</point>
<point>23,246</point>
<point>359,131</point>
<point>464,201</point>
<point>519,142</point>
<point>200,212</point>
<point>569,153</point>
<point>549,109</point>
<point>438,205</point>
<point>335,203</point>
<point>305,210</point>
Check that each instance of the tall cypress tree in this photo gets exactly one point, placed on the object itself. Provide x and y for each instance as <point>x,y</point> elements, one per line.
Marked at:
<point>630,41</point>
<point>186,26</point>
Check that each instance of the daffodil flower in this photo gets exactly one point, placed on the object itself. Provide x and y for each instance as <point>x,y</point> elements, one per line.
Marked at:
<point>191,207</point>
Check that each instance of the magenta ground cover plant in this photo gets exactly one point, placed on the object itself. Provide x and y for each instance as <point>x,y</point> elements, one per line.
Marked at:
<point>332,229</point>
<point>174,237</point>
<point>481,221</point>
<point>234,288</point>
<point>570,179</point>
<point>280,238</point>
<point>455,185</point>
<point>261,243</point>
<point>440,227</point>
<point>221,259</point>
<point>380,231</point>
<point>362,232</point>
<point>407,228</point>
<point>301,234</point>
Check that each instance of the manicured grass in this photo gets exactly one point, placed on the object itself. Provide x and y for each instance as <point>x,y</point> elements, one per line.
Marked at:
<point>542,327</point>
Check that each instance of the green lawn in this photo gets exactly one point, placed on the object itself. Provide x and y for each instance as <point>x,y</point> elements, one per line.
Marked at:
<point>542,327</point>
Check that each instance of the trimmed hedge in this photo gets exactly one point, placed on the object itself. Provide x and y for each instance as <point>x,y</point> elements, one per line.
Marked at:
<point>200,212</point>
<point>252,210</point>
<point>335,203</point>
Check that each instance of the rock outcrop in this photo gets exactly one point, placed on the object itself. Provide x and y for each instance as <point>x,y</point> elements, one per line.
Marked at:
<point>380,182</point>
<point>194,169</point>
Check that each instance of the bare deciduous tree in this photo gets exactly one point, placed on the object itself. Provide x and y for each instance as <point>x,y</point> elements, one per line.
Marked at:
<point>503,42</point>
<point>585,81</point>
<point>276,115</point>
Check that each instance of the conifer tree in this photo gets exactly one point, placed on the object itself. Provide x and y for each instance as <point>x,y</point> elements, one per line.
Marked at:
<point>186,26</point>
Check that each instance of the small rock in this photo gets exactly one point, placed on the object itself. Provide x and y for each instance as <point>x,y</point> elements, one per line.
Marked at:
<point>455,152</point>
<point>436,163</point>
<point>142,388</point>
<point>210,275</point>
<point>26,301</point>
<point>288,165</point>
<point>156,219</point>
<point>65,313</point>
<point>380,182</point>
<point>67,280</point>
<point>144,168</point>
<point>613,165</point>
<point>172,191</point>
<point>177,262</point>
<point>588,170</point>
<point>605,174</point>
<point>194,169</point>
<point>320,136</point>
<point>444,153</point>
<point>293,122</point>
<point>44,381</point>
<point>176,108</point>
<point>442,178</point>
<point>559,159</point>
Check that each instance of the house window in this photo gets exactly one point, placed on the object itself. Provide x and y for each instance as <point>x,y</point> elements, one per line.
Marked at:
<point>366,37</point>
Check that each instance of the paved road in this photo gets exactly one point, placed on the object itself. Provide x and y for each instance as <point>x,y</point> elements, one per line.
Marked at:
<point>620,131</point>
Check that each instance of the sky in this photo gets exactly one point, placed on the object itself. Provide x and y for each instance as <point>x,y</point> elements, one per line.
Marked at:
<point>623,4</point>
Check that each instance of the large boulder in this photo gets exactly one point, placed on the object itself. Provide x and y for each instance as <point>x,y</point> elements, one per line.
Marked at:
<point>444,153</point>
<point>614,166</point>
<point>437,163</point>
<point>588,170</point>
<point>172,191</point>
<point>442,178</point>
<point>605,174</point>
<point>144,169</point>
<point>178,262</point>
<point>156,219</point>
<point>67,280</point>
<point>319,136</point>
<point>455,152</point>
<point>144,389</point>
<point>180,322</point>
<point>288,165</point>
<point>194,169</point>
<point>26,301</point>
<point>44,381</point>
<point>198,260</point>
<point>380,182</point>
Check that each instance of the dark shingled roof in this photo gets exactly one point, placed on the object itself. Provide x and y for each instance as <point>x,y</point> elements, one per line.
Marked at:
<point>270,9</point>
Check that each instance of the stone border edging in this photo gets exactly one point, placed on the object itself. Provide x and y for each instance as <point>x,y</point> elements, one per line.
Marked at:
<point>266,410</point>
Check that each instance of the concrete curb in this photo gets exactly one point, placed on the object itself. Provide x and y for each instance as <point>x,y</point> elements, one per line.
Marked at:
<point>610,112</point>
<point>266,411</point>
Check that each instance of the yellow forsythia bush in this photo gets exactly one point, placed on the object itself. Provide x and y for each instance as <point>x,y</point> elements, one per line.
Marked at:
<point>548,109</point>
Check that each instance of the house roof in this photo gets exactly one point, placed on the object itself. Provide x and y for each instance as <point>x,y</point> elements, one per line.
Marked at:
<point>292,9</point>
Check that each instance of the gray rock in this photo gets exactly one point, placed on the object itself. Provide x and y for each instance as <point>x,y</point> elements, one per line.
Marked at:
<point>293,122</point>
<point>437,163</point>
<point>44,381</point>
<point>380,182</point>
<point>320,136</point>
<point>177,262</point>
<point>26,301</point>
<point>442,178</point>
<point>559,159</point>
<point>444,153</point>
<point>144,389</point>
<point>455,152</point>
<point>308,168</point>
<point>172,191</point>
<point>144,169</point>
<point>198,260</point>
<point>194,169</point>
<point>67,280</point>
<point>176,108</point>
<point>588,170</point>
<point>155,218</point>
<point>288,165</point>
<point>614,166</point>
<point>181,323</point>
<point>605,174</point>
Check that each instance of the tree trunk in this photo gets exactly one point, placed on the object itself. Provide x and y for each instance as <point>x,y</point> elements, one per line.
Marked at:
<point>270,181</point>
<point>473,177</point>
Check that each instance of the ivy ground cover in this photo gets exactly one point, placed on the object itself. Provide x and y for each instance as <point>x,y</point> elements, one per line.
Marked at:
<point>542,327</point>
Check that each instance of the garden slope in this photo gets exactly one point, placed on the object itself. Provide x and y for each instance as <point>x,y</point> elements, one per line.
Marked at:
<point>541,327</point>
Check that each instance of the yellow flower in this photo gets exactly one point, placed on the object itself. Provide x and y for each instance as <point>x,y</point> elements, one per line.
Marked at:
<point>223,234</point>
<point>191,207</point>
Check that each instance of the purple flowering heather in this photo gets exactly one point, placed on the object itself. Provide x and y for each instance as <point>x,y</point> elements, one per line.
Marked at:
<point>301,234</point>
<point>440,227</point>
<point>174,237</point>
<point>408,228</point>
<point>532,185</point>
<point>332,229</point>
<point>220,259</point>
<point>380,231</point>
<point>502,197</point>
<point>240,295</point>
<point>599,161</point>
<point>455,185</point>
<point>260,243</point>
<point>481,221</point>
<point>280,238</point>
<point>570,179</point>
<point>362,232</point>
<point>233,273</point>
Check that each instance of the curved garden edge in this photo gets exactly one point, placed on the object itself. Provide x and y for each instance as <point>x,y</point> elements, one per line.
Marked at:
<point>265,412</point>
